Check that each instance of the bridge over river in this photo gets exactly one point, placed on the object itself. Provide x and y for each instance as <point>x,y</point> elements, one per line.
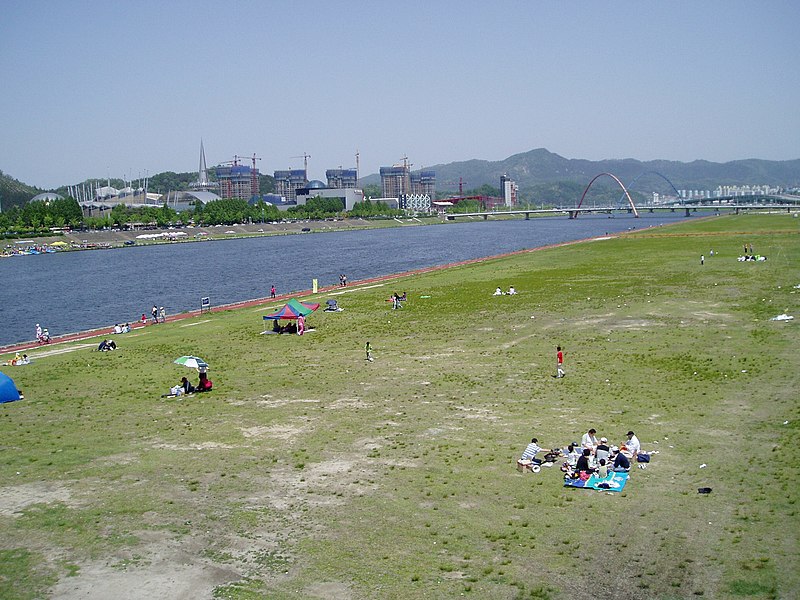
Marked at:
<point>734,204</point>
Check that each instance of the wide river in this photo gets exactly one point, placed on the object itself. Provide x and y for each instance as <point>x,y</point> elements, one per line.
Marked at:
<point>75,291</point>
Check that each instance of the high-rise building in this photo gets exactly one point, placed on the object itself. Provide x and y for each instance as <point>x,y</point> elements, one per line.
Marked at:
<point>398,180</point>
<point>423,183</point>
<point>342,178</point>
<point>395,181</point>
<point>237,181</point>
<point>509,190</point>
<point>288,182</point>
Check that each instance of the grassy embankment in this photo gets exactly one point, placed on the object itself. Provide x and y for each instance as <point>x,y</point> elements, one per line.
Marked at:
<point>309,472</point>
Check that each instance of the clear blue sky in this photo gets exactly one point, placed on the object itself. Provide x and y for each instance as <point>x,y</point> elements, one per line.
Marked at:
<point>105,88</point>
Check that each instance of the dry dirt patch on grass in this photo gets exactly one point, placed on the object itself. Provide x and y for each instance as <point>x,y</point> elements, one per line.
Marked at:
<point>125,458</point>
<point>348,403</point>
<point>613,321</point>
<point>705,315</point>
<point>473,412</point>
<point>168,569</point>
<point>15,498</point>
<point>324,483</point>
<point>329,591</point>
<point>200,446</point>
<point>267,400</point>
<point>284,432</point>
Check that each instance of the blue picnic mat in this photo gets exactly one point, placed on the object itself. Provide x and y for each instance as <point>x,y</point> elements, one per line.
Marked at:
<point>615,482</point>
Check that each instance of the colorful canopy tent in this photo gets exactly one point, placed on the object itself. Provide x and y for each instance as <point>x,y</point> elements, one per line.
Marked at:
<point>293,309</point>
<point>8,390</point>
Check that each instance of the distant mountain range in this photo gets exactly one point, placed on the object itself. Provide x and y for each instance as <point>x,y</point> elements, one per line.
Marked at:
<point>537,167</point>
<point>542,173</point>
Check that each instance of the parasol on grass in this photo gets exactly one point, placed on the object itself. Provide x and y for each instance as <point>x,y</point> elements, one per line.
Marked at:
<point>193,362</point>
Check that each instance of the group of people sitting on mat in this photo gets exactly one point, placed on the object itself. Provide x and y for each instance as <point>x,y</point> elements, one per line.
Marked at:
<point>590,457</point>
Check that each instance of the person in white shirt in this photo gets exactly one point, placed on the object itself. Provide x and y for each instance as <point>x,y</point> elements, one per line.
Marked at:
<point>573,455</point>
<point>498,292</point>
<point>633,445</point>
<point>589,440</point>
<point>511,291</point>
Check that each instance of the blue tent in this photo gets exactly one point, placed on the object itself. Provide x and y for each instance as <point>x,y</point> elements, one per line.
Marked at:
<point>8,390</point>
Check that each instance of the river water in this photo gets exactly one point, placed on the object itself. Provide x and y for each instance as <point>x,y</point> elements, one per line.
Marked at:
<point>75,291</point>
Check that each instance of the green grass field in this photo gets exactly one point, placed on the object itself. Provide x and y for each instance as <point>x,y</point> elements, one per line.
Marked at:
<point>311,473</point>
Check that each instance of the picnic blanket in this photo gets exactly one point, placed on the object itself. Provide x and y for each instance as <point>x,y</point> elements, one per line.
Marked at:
<point>613,483</point>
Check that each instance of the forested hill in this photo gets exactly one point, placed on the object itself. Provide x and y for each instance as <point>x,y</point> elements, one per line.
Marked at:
<point>537,167</point>
<point>13,192</point>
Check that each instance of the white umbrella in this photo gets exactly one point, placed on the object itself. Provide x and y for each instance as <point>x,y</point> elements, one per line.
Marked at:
<point>193,362</point>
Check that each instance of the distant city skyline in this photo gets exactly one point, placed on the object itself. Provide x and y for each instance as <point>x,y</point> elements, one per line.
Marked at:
<point>112,89</point>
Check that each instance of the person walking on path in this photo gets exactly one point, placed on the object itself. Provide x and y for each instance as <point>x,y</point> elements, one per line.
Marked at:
<point>272,291</point>
<point>368,350</point>
<point>559,362</point>
<point>154,312</point>
<point>162,315</point>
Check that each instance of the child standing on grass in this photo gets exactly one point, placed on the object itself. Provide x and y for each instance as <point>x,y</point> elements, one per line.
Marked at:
<point>368,350</point>
<point>559,362</point>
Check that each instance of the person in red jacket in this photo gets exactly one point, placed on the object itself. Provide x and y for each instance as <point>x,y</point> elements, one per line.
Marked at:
<point>559,362</point>
<point>204,385</point>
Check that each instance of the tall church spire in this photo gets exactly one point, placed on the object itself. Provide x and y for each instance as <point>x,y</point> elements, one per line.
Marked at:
<point>203,184</point>
<point>202,175</point>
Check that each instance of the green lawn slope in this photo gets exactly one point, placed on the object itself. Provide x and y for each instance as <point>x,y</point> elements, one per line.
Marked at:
<point>309,472</point>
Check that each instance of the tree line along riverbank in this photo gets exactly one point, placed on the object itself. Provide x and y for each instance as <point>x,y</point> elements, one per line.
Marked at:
<point>110,238</point>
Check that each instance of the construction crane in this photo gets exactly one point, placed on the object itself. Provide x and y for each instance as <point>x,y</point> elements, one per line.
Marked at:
<point>405,163</point>
<point>237,159</point>
<point>460,185</point>
<point>305,158</point>
<point>254,158</point>
<point>234,162</point>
